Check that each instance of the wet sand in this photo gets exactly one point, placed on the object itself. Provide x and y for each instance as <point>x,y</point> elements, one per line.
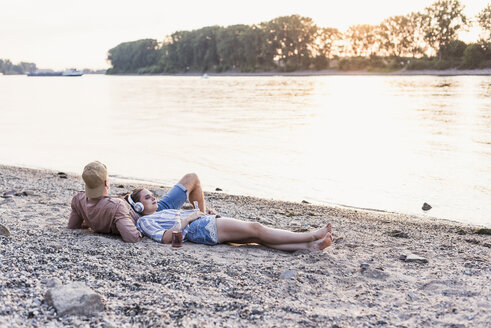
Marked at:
<point>362,280</point>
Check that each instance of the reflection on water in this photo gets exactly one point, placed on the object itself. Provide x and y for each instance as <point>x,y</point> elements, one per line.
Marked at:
<point>388,143</point>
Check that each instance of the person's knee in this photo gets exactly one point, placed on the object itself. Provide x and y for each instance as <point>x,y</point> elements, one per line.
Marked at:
<point>257,228</point>
<point>190,181</point>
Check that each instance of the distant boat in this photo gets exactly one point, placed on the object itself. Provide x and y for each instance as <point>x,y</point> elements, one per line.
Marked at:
<point>71,72</point>
<point>67,72</point>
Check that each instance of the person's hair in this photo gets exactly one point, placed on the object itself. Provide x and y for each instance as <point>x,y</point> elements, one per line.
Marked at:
<point>135,196</point>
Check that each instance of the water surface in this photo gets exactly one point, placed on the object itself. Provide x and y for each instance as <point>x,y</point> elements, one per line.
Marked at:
<point>381,142</point>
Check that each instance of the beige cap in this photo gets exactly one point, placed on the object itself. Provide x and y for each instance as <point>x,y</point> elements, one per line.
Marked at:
<point>95,174</point>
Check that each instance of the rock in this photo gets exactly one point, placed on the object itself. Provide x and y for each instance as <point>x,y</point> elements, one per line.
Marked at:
<point>426,207</point>
<point>397,234</point>
<point>187,206</point>
<point>53,282</point>
<point>413,258</point>
<point>374,274</point>
<point>305,202</point>
<point>461,232</point>
<point>74,299</point>
<point>9,194</point>
<point>288,274</point>
<point>482,231</point>
<point>4,231</point>
<point>62,175</point>
<point>159,192</point>
<point>218,189</point>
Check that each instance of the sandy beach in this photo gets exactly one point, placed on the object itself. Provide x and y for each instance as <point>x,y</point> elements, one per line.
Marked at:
<point>365,279</point>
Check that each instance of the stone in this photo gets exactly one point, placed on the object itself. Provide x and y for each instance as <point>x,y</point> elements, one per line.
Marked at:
<point>288,274</point>
<point>53,282</point>
<point>305,202</point>
<point>159,192</point>
<point>74,299</point>
<point>374,274</point>
<point>218,189</point>
<point>4,231</point>
<point>9,194</point>
<point>426,207</point>
<point>398,234</point>
<point>482,231</point>
<point>413,258</point>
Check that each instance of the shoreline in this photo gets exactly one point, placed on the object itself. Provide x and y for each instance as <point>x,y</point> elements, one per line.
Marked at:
<point>150,184</point>
<point>363,279</point>
<point>331,72</point>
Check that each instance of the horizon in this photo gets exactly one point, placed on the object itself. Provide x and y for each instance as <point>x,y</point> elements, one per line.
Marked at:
<point>59,35</point>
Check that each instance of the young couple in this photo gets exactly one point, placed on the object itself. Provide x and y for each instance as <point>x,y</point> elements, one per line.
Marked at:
<point>141,212</point>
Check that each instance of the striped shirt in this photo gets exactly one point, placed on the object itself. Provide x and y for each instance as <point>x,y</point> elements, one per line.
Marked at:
<point>155,225</point>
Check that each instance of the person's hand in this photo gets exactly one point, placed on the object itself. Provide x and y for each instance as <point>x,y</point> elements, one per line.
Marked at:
<point>195,215</point>
<point>190,218</point>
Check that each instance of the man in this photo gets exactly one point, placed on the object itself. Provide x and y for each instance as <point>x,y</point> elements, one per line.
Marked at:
<point>95,209</point>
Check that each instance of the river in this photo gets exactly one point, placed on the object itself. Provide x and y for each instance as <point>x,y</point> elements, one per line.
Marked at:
<point>388,143</point>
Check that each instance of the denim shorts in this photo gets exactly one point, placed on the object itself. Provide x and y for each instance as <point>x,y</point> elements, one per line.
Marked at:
<point>203,230</point>
<point>174,199</point>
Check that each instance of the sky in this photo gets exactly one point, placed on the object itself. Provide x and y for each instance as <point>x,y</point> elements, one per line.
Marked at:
<point>61,34</point>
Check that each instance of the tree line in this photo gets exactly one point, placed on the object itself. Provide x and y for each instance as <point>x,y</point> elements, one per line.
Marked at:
<point>419,40</point>
<point>8,68</point>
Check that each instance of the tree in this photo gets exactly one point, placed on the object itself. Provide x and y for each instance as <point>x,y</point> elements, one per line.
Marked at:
<point>361,40</point>
<point>400,36</point>
<point>484,21</point>
<point>128,57</point>
<point>291,38</point>
<point>442,21</point>
<point>473,56</point>
<point>325,41</point>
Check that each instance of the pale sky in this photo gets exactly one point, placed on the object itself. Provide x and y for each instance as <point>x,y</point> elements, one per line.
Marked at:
<point>61,34</point>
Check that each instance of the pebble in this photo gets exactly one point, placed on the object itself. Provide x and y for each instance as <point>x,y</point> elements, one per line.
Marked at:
<point>398,234</point>
<point>4,231</point>
<point>159,192</point>
<point>413,258</point>
<point>147,284</point>
<point>288,274</point>
<point>482,231</point>
<point>426,207</point>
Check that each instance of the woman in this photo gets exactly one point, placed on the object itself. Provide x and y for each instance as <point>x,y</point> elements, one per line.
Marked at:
<point>211,230</point>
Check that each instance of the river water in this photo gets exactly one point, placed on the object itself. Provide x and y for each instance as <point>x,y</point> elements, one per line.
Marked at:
<point>381,142</point>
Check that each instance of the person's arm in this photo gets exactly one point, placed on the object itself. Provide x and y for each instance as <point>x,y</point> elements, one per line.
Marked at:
<point>167,235</point>
<point>126,226</point>
<point>190,218</point>
<point>75,221</point>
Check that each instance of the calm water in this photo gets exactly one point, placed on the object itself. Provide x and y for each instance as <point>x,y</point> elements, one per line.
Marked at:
<point>379,142</point>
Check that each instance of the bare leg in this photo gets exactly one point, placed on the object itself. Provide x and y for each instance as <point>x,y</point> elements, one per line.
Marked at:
<point>317,245</point>
<point>240,231</point>
<point>193,185</point>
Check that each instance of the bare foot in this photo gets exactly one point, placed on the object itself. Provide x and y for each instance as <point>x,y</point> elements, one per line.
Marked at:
<point>322,243</point>
<point>321,233</point>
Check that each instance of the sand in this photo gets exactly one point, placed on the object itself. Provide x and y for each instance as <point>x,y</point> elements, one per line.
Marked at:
<point>359,281</point>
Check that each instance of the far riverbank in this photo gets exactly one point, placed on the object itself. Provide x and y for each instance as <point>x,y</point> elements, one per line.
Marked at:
<point>333,72</point>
